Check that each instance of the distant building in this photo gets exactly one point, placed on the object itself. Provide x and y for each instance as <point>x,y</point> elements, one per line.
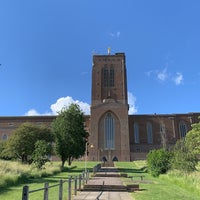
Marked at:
<point>115,135</point>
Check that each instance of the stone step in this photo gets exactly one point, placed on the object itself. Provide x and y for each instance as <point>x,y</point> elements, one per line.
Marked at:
<point>118,188</point>
<point>107,175</point>
<point>133,187</point>
<point>110,175</point>
<point>107,164</point>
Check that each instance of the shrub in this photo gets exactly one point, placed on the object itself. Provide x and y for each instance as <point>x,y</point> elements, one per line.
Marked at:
<point>39,156</point>
<point>183,158</point>
<point>158,161</point>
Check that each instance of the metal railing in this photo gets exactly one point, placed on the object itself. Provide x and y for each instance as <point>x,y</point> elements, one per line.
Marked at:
<point>99,195</point>
<point>96,168</point>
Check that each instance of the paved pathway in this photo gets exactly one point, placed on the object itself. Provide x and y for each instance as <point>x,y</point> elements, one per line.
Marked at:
<point>104,195</point>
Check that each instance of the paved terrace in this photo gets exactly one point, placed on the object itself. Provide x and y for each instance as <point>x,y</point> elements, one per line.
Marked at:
<point>107,176</point>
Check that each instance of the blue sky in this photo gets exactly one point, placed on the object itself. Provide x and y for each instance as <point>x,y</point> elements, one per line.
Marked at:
<point>46,49</point>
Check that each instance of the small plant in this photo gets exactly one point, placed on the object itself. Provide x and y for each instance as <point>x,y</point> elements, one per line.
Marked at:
<point>158,161</point>
<point>39,156</point>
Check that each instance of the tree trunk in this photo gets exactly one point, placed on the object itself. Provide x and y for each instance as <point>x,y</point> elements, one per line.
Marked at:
<point>24,159</point>
<point>69,161</point>
<point>63,163</point>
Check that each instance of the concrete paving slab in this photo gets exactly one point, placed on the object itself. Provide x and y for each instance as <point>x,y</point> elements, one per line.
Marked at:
<point>104,195</point>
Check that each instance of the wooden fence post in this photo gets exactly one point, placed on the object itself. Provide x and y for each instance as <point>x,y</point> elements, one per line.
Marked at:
<point>61,190</point>
<point>84,178</point>
<point>69,188</point>
<point>79,182</point>
<point>75,185</point>
<point>46,191</point>
<point>25,192</point>
<point>88,175</point>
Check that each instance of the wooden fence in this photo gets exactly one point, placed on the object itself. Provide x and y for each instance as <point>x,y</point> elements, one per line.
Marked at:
<point>79,181</point>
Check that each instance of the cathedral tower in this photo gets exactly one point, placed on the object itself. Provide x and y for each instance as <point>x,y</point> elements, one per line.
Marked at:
<point>109,129</point>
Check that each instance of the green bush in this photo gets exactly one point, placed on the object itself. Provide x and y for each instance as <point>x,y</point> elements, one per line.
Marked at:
<point>39,156</point>
<point>158,161</point>
<point>183,158</point>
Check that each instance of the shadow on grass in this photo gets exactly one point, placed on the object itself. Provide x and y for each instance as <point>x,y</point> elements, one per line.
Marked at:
<point>21,183</point>
<point>131,170</point>
<point>136,176</point>
<point>27,179</point>
<point>75,170</point>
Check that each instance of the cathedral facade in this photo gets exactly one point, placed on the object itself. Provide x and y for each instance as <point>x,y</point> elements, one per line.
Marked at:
<point>113,134</point>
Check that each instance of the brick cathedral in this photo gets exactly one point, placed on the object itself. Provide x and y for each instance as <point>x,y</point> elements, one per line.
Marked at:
<point>115,135</point>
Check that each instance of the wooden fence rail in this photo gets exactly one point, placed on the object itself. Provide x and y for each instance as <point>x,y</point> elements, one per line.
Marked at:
<point>81,179</point>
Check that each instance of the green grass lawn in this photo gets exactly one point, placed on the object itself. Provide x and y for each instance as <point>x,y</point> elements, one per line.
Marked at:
<point>15,192</point>
<point>172,186</point>
<point>164,187</point>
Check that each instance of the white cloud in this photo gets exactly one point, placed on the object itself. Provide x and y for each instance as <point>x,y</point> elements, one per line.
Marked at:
<point>66,101</point>
<point>115,34</point>
<point>178,79</point>
<point>162,75</point>
<point>131,102</point>
<point>32,112</point>
<point>59,104</point>
<point>85,107</point>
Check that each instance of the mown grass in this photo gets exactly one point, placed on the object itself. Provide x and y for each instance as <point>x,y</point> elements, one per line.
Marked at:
<point>173,185</point>
<point>35,179</point>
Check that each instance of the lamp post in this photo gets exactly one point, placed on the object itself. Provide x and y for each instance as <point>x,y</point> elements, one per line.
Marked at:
<point>99,150</point>
<point>86,156</point>
<point>86,149</point>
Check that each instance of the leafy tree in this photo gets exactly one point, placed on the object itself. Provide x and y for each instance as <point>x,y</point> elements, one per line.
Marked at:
<point>70,133</point>
<point>158,161</point>
<point>193,139</point>
<point>22,142</point>
<point>3,150</point>
<point>187,149</point>
<point>40,154</point>
<point>183,158</point>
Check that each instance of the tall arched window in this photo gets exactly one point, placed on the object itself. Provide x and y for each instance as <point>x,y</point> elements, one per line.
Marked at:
<point>182,129</point>
<point>149,133</point>
<point>112,83</point>
<point>105,77</point>
<point>136,133</point>
<point>109,131</point>
<point>108,76</point>
<point>162,128</point>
